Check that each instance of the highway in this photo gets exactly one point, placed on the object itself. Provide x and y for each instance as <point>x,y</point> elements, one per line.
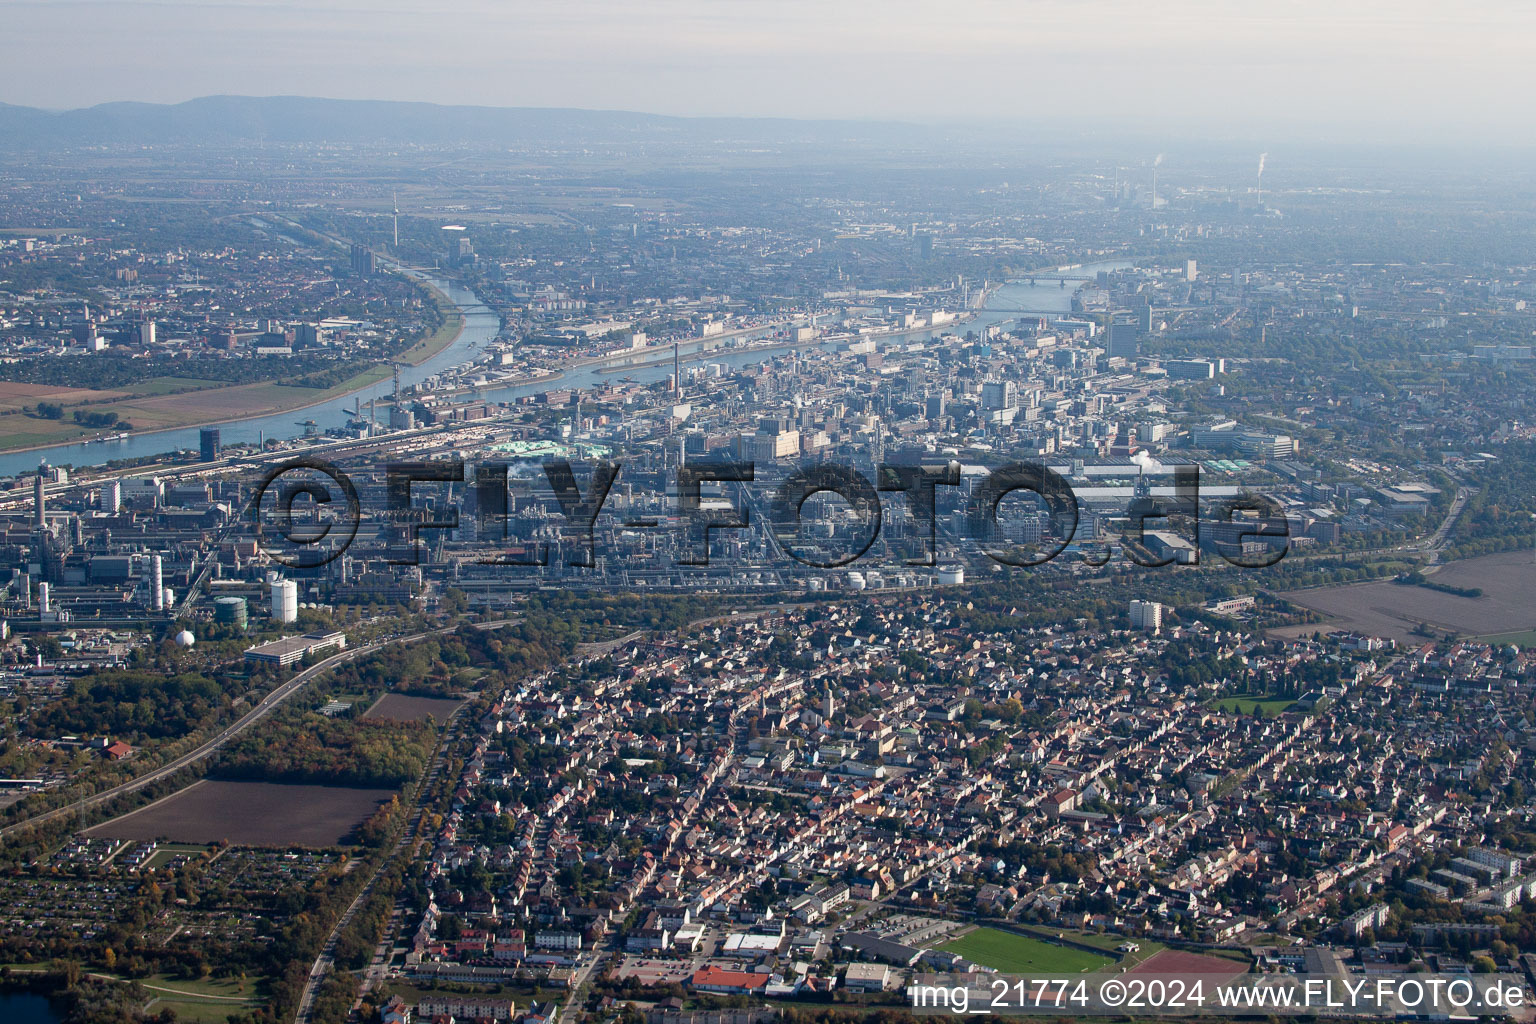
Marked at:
<point>1434,545</point>
<point>605,647</point>
<point>268,704</point>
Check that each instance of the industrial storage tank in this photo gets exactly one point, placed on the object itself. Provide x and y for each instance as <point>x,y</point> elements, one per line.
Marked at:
<point>949,575</point>
<point>230,610</point>
<point>285,600</point>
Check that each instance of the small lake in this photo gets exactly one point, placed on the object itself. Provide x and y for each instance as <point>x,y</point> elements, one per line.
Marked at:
<point>24,1008</point>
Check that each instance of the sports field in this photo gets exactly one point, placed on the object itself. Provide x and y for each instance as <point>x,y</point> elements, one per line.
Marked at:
<point>1246,705</point>
<point>1183,962</point>
<point>1020,954</point>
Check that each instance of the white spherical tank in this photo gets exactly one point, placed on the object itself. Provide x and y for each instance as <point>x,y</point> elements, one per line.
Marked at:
<point>185,638</point>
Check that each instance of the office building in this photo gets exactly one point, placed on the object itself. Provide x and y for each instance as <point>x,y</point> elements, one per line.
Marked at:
<point>1190,369</point>
<point>765,447</point>
<point>291,650</point>
<point>1124,340</point>
<point>999,394</point>
<point>208,444</point>
<point>1265,446</point>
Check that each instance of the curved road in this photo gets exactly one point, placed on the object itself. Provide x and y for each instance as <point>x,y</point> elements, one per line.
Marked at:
<point>1433,545</point>
<point>268,704</point>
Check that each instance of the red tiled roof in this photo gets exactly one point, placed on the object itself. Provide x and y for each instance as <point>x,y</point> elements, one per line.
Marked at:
<point>729,979</point>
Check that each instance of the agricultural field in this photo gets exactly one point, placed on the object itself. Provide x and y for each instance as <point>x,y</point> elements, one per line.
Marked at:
<point>16,395</point>
<point>159,404</point>
<point>173,385</point>
<point>1392,610</point>
<point>1021,954</point>
<point>159,411</point>
<point>250,814</point>
<point>399,707</point>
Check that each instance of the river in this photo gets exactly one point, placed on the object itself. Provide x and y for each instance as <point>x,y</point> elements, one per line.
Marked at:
<point>480,328</point>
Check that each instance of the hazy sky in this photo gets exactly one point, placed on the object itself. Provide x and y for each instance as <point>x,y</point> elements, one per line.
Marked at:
<point>1391,68</point>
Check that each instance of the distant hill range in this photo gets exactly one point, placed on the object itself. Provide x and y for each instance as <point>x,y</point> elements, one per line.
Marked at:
<point>225,120</point>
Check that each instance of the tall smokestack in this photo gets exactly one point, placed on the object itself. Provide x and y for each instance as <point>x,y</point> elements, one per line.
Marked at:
<point>38,517</point>
<point>677,372</point>
<point>156,583</point>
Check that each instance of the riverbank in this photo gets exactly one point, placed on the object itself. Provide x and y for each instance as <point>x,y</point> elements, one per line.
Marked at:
<point>611,363</point>
<point>446,334</point>
<point>648,358</point>
<point>215,406</point>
